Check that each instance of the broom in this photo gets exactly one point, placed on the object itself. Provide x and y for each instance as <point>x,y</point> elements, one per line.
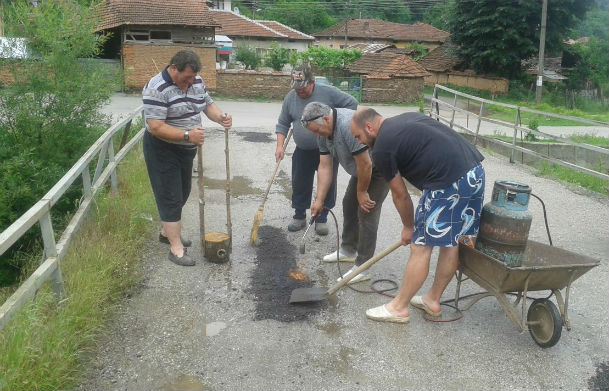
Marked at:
<point>260,213</point>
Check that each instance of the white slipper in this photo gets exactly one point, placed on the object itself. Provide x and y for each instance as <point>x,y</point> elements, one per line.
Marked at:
<point>363,276</point>
<point>417,301</point>
<point>382,315</point>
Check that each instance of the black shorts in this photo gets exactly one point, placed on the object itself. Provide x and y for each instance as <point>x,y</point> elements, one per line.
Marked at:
<point>170,172</point>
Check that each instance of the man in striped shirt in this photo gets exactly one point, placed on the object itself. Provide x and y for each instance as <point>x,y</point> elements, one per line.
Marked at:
<point>173,102</point>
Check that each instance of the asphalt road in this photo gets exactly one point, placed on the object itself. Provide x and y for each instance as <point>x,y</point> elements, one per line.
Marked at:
<point>229,327</point>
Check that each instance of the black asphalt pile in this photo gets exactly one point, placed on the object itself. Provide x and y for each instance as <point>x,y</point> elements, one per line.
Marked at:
<point>271,284</point>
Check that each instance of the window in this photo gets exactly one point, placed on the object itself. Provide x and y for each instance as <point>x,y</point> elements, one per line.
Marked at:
<point>137,35</point>
<point>160,35</point>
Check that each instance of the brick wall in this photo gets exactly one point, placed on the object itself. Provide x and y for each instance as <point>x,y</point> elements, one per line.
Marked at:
<point>142,61</point>
<point>385,90</point>
<point>250,84</point>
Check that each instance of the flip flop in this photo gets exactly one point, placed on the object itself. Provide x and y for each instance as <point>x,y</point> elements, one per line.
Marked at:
<point>382,315</point>
<point>417,301</point>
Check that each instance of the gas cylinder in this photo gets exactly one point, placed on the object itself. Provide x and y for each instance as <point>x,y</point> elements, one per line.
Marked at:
<point>505,223</point>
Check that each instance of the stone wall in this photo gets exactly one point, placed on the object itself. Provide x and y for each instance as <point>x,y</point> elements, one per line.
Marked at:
<point>386,90</point>
<point>142,61</point>
<point>251,84</point>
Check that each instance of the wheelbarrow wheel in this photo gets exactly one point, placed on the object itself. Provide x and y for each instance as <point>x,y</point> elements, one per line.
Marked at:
<point>545,323</point>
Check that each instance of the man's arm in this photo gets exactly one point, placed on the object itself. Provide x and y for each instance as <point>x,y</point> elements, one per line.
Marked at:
<point>213,112</point>
<point>161,129</point>
<point>403,203</point>
<point>344,100</point>
<point>364,172</point>
<point>281,129</point>
<point>324,180</point>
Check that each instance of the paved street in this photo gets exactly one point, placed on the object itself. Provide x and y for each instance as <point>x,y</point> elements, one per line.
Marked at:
<point>229,326</point>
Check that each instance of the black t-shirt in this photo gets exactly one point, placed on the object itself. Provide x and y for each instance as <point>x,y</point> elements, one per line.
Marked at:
<point>429,154</point>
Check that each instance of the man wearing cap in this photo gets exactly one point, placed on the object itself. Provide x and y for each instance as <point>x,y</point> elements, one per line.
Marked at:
<point>305,159</point>
<point>448,170</point>
<point>173,102</point>
<point>365,192</point>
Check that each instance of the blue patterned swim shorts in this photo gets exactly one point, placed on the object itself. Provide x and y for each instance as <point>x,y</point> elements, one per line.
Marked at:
<point>444,215</point>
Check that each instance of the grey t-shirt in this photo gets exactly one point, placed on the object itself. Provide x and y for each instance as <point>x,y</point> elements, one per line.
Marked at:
<point>342,145</point>
<point>292,108</point>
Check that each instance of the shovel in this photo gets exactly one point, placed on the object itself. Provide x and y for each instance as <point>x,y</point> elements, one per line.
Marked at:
<point>311,295</point>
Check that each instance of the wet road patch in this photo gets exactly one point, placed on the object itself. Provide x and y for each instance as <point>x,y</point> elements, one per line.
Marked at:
<point>256,137</point>
<point>601,380</point>
<point>278,272</point>
<point>239,185</point>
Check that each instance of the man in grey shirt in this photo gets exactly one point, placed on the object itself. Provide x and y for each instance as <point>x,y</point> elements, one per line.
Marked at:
<point>365,192</point>
<point>306,155</point>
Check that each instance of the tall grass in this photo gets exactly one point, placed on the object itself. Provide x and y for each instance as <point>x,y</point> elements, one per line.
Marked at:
<point>43,346</point>
<point>579,178</point>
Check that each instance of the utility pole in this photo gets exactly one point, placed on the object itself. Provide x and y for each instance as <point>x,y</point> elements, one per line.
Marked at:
<point>542,46</point>
<point>346,23</point>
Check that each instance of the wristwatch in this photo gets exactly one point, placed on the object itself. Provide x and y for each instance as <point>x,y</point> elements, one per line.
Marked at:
<point>186,136</point>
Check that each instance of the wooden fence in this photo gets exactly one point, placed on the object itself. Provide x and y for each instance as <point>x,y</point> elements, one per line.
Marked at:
<point>49,269</point>
<point>480,118</point>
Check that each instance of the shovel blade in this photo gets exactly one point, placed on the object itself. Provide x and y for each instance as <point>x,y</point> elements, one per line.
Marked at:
<point>307,295</point>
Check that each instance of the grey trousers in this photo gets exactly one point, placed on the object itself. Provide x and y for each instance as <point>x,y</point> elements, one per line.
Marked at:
<point>360,228</point>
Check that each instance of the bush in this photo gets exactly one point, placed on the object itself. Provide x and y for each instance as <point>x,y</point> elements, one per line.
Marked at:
<point>50,114</point>
<point>277,56</point>
<point>248,56</point>
<point>325,58</point>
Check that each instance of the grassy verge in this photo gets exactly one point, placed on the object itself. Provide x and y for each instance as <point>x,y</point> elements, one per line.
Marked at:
<point>597,113</point>
<point>42,346</point>
<point>586,139</point>
<point>578,178</point>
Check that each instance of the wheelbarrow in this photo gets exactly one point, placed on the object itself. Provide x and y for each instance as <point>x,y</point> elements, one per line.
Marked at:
<point>543,267</point>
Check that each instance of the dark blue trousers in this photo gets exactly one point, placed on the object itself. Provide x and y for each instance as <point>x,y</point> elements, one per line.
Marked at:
<point>304,165</point>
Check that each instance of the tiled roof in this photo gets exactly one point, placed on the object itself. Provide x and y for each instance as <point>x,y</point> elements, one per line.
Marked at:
<point>287,30</point>
<point>387,64</point>
<point>233,25</point>
<point>114,13</point>
<point>441,59</point>
<point>379,29</point>
<point>370,47</point>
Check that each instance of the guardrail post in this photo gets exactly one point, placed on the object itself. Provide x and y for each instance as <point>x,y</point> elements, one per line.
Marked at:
<point>479,122</point>
<point>50,250</point>
<point>125,135</point>
<point>86,182</point>
<point>111,161</point>
<point>101,159</point>
<point>516,122</point>
<point>452,120</point>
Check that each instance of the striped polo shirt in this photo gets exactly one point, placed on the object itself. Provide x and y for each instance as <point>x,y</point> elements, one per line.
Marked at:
<point>166,101</point>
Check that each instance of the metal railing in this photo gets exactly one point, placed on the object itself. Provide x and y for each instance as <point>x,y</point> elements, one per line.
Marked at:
<point>436,102</point>
<point>49,269</point>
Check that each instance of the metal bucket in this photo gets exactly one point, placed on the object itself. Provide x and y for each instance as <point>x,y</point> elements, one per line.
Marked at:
<point>505,223</point>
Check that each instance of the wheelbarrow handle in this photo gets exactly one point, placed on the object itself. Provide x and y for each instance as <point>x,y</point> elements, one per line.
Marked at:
<point>365,266</point>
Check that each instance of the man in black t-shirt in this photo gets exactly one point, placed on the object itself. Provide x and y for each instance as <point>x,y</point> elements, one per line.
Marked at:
<point>447,169</point>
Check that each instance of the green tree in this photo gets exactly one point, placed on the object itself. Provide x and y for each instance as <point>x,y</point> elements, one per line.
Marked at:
<point>307,16</point>
<point>248,56</point>
<point>494,36</point>
<point>277,56</point>
<point>591,69</point>
<point>440,15</point>
<point>325,58</point>
<point>595,24</point>
<point>50,113</point>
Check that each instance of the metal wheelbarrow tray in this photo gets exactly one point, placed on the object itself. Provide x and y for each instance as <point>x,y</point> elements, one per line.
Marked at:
<point>543,268</point>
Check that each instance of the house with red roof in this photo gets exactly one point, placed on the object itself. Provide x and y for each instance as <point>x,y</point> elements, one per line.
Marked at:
<point>145,34</point>
<point>259,34</point>
<point>354,31</point>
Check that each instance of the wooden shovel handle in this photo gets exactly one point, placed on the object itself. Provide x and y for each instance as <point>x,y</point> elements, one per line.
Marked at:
<point>268,188</point>
<point>365,266</point>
